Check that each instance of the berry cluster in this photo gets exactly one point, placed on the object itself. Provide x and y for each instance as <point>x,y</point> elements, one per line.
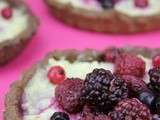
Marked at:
<point>107,96</point>
<point>107,4</point>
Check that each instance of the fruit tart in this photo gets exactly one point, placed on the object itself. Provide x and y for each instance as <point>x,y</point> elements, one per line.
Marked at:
<point>114,84</point>
<point>109,16</point>
<point>17,25</point>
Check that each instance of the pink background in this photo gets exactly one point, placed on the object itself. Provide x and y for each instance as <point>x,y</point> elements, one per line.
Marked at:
<point>53,34</point>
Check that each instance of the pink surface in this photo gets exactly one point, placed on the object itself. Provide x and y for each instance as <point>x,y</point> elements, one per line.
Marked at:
<point>55,35</point>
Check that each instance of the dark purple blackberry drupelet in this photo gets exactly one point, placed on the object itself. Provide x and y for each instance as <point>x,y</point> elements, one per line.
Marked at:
<point>59,116</point>
<point>103,90</point>
<point>68,95</point>
<point>154,74</point>
<point>129,64</point>
<point>107,4</point>
<point>130,109</point>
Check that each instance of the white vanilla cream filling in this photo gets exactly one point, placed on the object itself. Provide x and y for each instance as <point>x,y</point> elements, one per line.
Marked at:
<point>39,93</point>
<point>128,7</point>
<point>124,6</point>
<point>83,4</point>
<point>12,27</point>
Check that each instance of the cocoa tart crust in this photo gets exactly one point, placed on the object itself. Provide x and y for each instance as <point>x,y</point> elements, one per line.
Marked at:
<point>13,110</point>
<point>108,21</point>
<point>12,47</point>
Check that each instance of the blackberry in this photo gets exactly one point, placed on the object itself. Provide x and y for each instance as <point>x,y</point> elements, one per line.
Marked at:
<point>103,90</point>
<point>59,116</point>
<point>130,109</point>
<point>107,4</point>
<point>154,74</point>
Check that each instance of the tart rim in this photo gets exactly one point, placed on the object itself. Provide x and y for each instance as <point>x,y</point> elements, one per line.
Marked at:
<point>7,46</point>
<point>124,24</point>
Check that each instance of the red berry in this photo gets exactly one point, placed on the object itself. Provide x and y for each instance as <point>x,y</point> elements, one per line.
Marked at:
<point>156,61</point>
<point>68,95</point>
<point>130,109</point>
<point>141,3</point>
<point>56,75</point>
<point>89,113</point>
<point>7,12</point>
<point>135,84</point>
<point>111,54</point>
<point>129,64</point>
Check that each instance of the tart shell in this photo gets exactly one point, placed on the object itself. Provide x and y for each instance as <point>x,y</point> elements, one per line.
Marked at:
<point>107,21</point>
<point>12,47</point>
<point>13,110</point>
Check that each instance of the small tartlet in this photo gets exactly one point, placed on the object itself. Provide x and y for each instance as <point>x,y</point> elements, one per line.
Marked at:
<point>106,20</point>
<point>10,47</point>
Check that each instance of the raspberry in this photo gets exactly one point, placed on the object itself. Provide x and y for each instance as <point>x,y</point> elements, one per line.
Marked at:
<point>154,79</point>
<point>56,75</point>
<point>141,3</point>
<point>7,12</point>
<point>129,64</point>
<point>156,61</point>
<point>130,109</point>
<point>111,54</point>
<point>103,90</point>
<point>89,114</point>
<point>135,84</point>
<point>68,95</point>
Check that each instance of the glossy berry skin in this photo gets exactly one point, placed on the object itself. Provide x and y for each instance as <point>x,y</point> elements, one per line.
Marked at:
<point>107,4</point>
<point>156,61</point>
<point>148,98</point>
<point>59,116</point>
<point>7,13</point>
<point>56,75</point>
<point>141,3</point>
<point>156,117</point>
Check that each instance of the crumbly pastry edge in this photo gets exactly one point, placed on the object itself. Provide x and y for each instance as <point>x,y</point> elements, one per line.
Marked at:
<point>12,47</point>
<point>107,21</point>
<point>13,99</point>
